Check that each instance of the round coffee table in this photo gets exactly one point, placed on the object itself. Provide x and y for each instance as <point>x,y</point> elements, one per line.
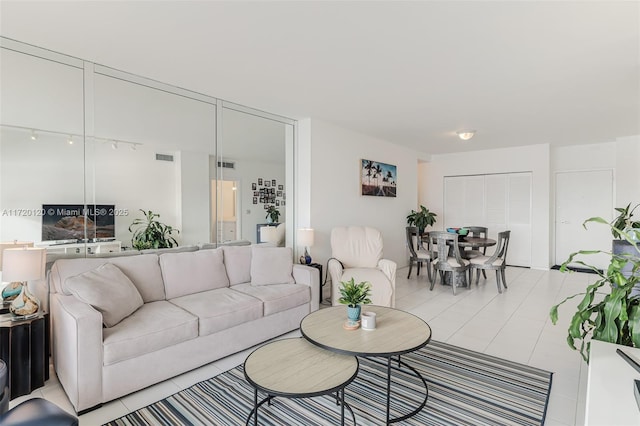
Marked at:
<point>294,368</point>
<point>397,332</point>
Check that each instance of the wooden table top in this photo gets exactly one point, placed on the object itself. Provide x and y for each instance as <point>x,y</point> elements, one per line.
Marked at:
<point>297,368</point>
<point>397,332</point>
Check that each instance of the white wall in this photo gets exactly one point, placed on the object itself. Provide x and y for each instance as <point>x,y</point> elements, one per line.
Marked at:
<point>192,197</point>
<point>246,173</point>
<point>335,198</point>
<point>622,156</point>
<point>533,158</point>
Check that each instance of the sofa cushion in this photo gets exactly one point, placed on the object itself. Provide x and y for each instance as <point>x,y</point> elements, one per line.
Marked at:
<point>271,265</point>
<point>188,273</point>
<point>277,297</point>
<point>154,326</point>
<point>220,309</point>
<point>142,270</point>
<point>108,290</point>
<point>237,261</point>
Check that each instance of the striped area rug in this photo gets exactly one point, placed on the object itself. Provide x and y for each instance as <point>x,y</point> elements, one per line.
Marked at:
<point>465,388</point>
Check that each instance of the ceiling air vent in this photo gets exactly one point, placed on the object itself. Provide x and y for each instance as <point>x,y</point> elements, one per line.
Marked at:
<point>164,157</point>
<point>226,164</point>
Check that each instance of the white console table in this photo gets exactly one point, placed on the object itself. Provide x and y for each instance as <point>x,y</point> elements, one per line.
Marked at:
<point>84,248</point>
<point>610,399</point>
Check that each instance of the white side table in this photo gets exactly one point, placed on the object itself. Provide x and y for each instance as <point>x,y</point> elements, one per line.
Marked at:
<point>610,399</point>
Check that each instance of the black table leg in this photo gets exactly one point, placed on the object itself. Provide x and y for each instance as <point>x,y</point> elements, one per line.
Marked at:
<point>341,406</point>
<point>255,407</point>
<point>388,389</point>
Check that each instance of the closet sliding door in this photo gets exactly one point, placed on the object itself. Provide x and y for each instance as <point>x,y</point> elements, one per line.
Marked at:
<point>499,202</point>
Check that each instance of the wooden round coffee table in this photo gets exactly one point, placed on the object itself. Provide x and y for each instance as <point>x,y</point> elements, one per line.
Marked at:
<point>397,332</point>
<point>294,368</point>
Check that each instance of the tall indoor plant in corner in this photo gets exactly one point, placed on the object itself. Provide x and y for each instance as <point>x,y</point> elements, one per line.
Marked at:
<point>609,310</point>
<point>421,218</point>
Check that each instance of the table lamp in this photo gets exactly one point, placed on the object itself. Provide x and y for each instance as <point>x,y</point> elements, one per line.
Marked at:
<point>23,265</point>
<point>305,239</point>
<point>12,290</point>
<point>268,234</point>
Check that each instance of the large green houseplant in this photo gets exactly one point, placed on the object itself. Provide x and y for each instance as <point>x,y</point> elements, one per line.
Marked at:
<point>421,218</point>
<point>609,309</point>
<point>152,234</point>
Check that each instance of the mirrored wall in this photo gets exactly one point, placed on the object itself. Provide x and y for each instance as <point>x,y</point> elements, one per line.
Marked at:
<point>86,149</point>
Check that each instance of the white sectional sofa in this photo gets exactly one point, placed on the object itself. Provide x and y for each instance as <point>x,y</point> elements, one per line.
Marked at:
<point>121,324</point>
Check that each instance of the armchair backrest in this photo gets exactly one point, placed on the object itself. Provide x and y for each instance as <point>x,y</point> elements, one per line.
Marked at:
<point>356,246</point>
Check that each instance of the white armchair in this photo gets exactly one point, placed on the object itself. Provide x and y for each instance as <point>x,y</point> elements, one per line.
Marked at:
<point>356,252</point>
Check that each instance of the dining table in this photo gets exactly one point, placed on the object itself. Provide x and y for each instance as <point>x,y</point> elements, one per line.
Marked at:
<point>464,243</point>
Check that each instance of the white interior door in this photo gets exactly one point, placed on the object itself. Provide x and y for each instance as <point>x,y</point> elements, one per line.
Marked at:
<point>579,196</point>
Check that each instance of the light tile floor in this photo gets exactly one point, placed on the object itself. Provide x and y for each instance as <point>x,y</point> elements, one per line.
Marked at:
<point>513,325</point>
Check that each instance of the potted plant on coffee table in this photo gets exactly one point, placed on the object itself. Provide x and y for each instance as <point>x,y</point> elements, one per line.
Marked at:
<point>354,296</point>
<point>421,219</point>
<point>608,311</point>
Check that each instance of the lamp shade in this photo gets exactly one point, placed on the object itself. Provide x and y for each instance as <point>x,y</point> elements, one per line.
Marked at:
<point>23,264</point>
<point>268,234</point>
<point>12,244</point>
<point>305,237</point>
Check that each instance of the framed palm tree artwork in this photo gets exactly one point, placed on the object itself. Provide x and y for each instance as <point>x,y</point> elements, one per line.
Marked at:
<point>378,179</point>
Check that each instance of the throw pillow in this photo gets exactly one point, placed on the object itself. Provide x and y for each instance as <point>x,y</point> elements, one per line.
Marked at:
<point>108,290</point>
<point>271,265</point>
<point>237,261</point>
<point>188,273</point>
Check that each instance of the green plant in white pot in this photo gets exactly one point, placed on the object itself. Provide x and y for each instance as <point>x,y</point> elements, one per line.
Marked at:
<point>609,310</point>
<point>354,295</point>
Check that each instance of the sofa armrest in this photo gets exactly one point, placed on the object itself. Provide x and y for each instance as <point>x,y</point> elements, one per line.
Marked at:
<point>77,349</point>
<point>307,275</point>
<point>389,267</point>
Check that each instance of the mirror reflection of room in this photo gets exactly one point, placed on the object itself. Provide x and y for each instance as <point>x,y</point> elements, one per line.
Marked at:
<point>110,147</point>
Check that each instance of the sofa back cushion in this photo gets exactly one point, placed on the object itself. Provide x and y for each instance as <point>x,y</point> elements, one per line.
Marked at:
<point>271,265</point>
<point>188,273</point>
<point>143,271</point>
<point>108,290</point>
<point>237,261</point>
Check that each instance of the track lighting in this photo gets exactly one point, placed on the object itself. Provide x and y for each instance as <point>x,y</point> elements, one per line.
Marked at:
<point>70,140</point>
<point>114,145</point>
<point>34,135</point>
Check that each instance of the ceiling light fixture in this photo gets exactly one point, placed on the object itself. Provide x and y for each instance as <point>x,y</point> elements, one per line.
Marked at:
<point>114,145</point>
<point>465,135</point>
<point>34,136</point>
<point>70,140</point>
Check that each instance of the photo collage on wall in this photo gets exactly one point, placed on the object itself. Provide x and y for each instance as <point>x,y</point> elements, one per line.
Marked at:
<point>269,193</point>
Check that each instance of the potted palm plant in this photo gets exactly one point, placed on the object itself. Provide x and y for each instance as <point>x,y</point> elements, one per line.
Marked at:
<point>152,234</point>
<point>609,309</point>
<point>354,296</point>
<point>421,218</point>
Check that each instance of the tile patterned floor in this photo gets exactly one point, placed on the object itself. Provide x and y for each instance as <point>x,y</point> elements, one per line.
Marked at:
<point>513,325</point>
